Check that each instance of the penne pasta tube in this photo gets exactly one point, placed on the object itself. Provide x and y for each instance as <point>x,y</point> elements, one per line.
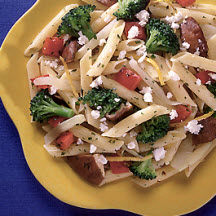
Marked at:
<point>201,91</point>
<point>187,58</point>
<point>95,15</point>
<point>162,174</point>
<point>211,44</point>
<point>96,3</point>
<point>114,67</point>
<point>135,119</point>
<point>96,139</point>
<point>129,45</point>
<point>206,8</point>
<point>49,30</point>
<point>64,126</point>
<point>131,96</point>
<point>208,30</point>
<point>93,43</point>
<point>106,17</point>
<point>108,51</point>
<point>73,150</point>
<point>33,72</point>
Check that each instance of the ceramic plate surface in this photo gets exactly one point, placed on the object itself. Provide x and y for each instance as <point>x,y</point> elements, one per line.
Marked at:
<point>177,195</point>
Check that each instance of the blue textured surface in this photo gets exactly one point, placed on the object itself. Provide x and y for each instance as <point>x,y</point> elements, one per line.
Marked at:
<point>20,192</point>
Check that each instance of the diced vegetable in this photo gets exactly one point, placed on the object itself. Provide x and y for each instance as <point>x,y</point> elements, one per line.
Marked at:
<point>118,167</point>
<point>185,3</point>
<point>64,140</point>
<point>53,46</point>
<point>183,113</point>
<point>141,35</point>
<point>41,86</point>
<point>56,120</point>
<point>204,76</point>
<point>127,78</point>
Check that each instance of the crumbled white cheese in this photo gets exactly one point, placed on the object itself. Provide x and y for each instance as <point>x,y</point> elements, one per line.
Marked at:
<point>172,21</point>
<point>122,55</point>
<point>142,52</point>
<point>173,76</point>
<point>103,127</point>
<point>52,90</point>
<point>124,135</point>
<point>169,95</point>
<point>102,159</point>
<point>148,97</point>
<point>186,66</point>
<point>99,107</point>
<point>173,114</point>
<point>197,51</point>
<point>107,19</point>
<point>97,82</point>
<point>143,16</point>
<point>82,40</point>
<point>133,133</point>
<point>102,42</point>
<point>208,82</point>
<point>131,145</point>
<point>146,90</point>
<point>193,127</point>
<point>133,32</point>
<point>117,100</point>
<point>80,142</point>
<point>66,38</point>
<point>93,148</point>
<point>198,82</point>
<point>159,153</point>
<point>95,114</point>
<point>61,67</point>
<point>212,75</point>
<point>185,45</point>
<point>52,64</point>
<point>103,119</point>
<point>199,40</point>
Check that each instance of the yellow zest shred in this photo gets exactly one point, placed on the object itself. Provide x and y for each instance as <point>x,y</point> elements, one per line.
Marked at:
<point>151,61</point>
<point>205,116</point>
<point>118,159</point>
<point>70,80</point>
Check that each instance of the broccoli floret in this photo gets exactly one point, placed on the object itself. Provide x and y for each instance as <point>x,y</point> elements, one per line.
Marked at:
<point>128,8</point>
<point>161,37</point>
<point>43,107</point>
<point>144,169</point>
<point>78,19</point>
<point>154,129</point>
<point>105,98</point>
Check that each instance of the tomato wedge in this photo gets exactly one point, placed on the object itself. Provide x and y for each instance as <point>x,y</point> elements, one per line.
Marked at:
<point>41,86</point>
<point>204,76</point>
<point>183,113</point>
<point>141,35</point>
<point>56,120</point>
<point>65,140</point>
<point>118,167</point>
<point>53,46</point>
<point>127,78</point>
<point>185,3</point>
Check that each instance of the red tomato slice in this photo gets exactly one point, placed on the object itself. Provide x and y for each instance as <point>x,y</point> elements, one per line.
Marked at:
<point>41,86</point>
<point>118,167</point>
<point>204,76</point>
<point>56,120</point>
<point>127,78</point>
<point>183,113</point>
<point>53,46</point>
<point>185,3</point>
<point>141,35</point>
<point>64,140</point>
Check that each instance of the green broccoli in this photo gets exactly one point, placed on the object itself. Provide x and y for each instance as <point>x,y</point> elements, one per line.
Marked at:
<point>43,107</point>
<point>212,89</point>
<point>105,99</point>
<point>128,8</point>
<point>154,129</point>
<point>161,37</point>
<point>77,19</point>
<point>143,169</point>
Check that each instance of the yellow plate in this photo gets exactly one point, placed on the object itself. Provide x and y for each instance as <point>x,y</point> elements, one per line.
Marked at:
<point>175,196</point>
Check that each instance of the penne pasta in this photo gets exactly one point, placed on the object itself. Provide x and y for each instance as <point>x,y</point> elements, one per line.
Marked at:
<point>114,67</point>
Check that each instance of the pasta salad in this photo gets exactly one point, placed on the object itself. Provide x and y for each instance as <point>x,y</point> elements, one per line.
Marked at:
<point>126,89</point>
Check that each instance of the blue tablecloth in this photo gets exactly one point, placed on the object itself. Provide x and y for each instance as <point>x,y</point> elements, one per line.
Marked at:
<point>20,193</point>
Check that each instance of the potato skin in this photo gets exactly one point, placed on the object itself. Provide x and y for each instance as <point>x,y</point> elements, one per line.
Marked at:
<point>88,168</point>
